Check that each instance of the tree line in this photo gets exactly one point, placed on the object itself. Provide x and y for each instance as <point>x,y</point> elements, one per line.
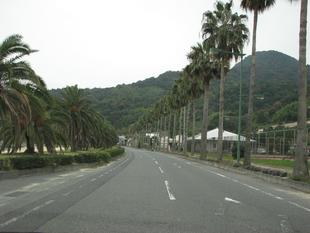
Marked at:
<point>31,118</point>
<point>224,34</point>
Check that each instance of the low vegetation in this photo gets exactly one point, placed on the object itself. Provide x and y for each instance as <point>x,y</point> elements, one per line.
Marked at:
<point>20,162</point>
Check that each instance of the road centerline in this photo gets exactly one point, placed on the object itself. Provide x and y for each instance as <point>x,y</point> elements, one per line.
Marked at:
<point>171,196</point>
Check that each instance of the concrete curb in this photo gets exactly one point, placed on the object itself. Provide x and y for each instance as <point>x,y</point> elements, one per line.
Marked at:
<point>285,181</point>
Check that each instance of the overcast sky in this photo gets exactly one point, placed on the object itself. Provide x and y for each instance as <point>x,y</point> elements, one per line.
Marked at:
<point>102,43</point>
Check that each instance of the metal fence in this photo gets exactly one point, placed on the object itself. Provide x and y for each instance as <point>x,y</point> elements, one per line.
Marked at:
<point>276,142</point>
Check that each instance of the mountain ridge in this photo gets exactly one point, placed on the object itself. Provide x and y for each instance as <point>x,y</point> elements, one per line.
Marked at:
<point>276,83</point>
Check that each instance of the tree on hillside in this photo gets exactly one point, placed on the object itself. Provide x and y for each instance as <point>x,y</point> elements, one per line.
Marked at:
<point>256,6</point>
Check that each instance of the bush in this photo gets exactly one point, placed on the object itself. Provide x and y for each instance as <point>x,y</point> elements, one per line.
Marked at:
<point>115,151</point>
<point>5,163</point>
<point>30,161</point>
<point>86,157</point>
<point>38,161</point>
<point>104,156</point>
<point>234,151</point>
<point>63,159</point>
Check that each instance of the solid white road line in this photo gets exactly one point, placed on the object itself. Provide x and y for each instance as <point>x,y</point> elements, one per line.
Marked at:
<point>232,200</point>
<point>26,213</point>
<point>67,194</point>
<point>161,170</point>
<point>299,206</point>
<point>31,186</point>
<point>171,196</point>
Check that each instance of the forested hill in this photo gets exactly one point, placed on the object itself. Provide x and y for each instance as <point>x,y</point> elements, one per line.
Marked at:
<point>124,104</point>
<point>276,87</point>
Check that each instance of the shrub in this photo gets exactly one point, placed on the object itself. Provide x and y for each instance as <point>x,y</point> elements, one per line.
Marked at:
<point>115,151</point>
<point>104,156</point>
<point>5,163</point>
<point>234,151</point>
<point>86,157</point>
<point>30,161</point>
<point>38,161</point>
<point>63,159</point>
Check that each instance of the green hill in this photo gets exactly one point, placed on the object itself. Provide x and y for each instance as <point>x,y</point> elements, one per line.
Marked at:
<point>123,105</point>
<point>276,87</point>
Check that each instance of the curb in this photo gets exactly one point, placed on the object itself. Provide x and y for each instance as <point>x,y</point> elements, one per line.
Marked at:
<point>285,181</point>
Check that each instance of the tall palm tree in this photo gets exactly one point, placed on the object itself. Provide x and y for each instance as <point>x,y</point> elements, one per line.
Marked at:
<point>256,6</point>
<point>18,82</point>
<point>84,123</point>
<point>227,33</point>
<point>301,162</point>
<point>206,70</point>
<point>194,90</point>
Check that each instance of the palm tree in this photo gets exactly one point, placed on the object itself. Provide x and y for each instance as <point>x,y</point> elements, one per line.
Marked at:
<point>194,90</point>
<point>13,74</point>
<point>206,70</point>
<point>18,82</point>
<point>256,6</point>
<point>301,162</point>
<point>227,33</point>
<point>84,123</point>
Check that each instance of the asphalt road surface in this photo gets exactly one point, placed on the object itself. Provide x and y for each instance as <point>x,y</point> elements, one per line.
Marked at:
<point>150,192</point>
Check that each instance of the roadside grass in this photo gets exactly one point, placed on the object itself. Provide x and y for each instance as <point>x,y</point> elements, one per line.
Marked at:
<point>285,164</point>
<point>277,163</point>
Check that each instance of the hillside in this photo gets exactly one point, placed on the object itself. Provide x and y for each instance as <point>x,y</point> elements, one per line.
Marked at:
<point>276,87</point>
<point>122,105</point>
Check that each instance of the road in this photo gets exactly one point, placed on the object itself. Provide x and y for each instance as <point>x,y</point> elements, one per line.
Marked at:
<point>150,192</point>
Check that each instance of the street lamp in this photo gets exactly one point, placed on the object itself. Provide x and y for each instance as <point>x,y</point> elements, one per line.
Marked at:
<point>241,55</point>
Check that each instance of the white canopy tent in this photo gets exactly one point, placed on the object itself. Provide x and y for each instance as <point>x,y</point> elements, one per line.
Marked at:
<point>213,135</point>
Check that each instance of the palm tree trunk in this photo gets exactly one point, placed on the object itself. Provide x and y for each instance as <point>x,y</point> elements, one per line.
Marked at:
<point>221,114</point>
<point>247,155</point>
<point>168,131</point>
<point>300,163</point>
<point>193,128</point>
<point>29,145</point>
<point>157,135</point>
<point>160,132</point>
<point>173,131</point>
<point>187,123</point>
<point>165,132</point>
<point>204,129</point>
<point>180,131</point>
<point>184,130</point>
<point>73,147</point>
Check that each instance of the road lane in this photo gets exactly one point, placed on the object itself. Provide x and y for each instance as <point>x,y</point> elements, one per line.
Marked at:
<point>157,192</point>
<point>40,209</point>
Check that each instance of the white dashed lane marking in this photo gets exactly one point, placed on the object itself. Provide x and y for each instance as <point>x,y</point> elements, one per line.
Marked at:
<point>171,196</point>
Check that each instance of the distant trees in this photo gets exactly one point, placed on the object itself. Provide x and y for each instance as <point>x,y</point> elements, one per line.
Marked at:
<point>31,117</point>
